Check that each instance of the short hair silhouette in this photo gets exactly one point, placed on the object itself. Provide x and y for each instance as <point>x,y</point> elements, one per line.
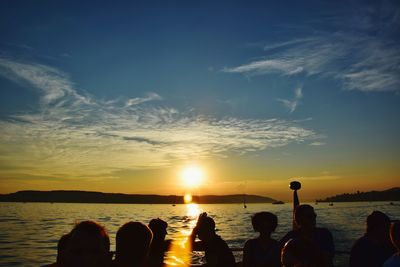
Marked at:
<point>88,245</point>
<point>374,247</point>
<point>262,219</point>
<point>377,220</point>
<point>159,245</point>
<point>304,212</point>
<point>158,227</point>
<point>61,247</point>
<point>132,244</point>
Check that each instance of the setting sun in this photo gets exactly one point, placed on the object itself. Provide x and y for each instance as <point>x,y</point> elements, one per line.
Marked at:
<point>187,198</point>
<point>192,176</point>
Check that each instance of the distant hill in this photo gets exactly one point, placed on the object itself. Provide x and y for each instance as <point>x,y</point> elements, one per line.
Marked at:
<point>392,194</point>
<point>63,196</point>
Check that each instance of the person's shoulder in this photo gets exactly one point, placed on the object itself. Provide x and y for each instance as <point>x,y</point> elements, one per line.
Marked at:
<point>220,240</point>
<point>167,243</point>
<point>221,243</point>
<point>362,240</point>
<point>250,243</point>
<point>219,237</point>
<point>321,231</point>
<point>275,245</point>
<point>293,231</point>
<point>274,242</point>
<point>361,243</point>
<point>393,261</point>
<point>290,235</point>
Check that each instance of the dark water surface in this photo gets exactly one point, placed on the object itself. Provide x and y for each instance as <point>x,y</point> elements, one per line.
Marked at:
<point>29,231</point>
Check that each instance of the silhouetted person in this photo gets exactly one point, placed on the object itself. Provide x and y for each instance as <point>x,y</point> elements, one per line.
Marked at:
<point>301,252</point>
<point>159,245</point>
<point>320,238</point>
<point>61,247</point>
<point>132,245</point>
<point>374,247</point>
<point>262,251</point>
<point>217,252</point>
<point>88,245</point>
<point>394,260</point>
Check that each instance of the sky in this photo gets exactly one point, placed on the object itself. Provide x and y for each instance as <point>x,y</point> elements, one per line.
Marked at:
<point>122,96</point>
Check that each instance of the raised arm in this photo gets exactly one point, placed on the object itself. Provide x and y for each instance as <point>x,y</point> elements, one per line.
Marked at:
<point>192,238</point>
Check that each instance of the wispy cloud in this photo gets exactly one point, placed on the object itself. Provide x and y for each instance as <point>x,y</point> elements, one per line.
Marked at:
<point>362,63</point>
<point>377,69</point>
<point>364,56</point>
<point>287,43</point>
<point>317,143</point>
<point>75,135</point>
<point>284,66</point>
<point>292,104</point>
<point>139,100</point>
<point>53,83</point>
<point>310,56</point>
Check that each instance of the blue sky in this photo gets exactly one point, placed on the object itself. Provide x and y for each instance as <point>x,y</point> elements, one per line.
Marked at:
<point>106,92</point>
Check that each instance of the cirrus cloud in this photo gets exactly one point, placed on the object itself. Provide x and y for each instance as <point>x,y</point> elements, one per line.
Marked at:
<point>75,135</point>
<point>362,51</point>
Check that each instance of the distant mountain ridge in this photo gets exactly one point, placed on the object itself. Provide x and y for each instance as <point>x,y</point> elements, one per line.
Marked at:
<point>392,194</point>
<point>73,196</point>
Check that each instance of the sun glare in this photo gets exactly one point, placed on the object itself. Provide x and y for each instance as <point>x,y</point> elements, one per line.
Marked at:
<point>192,176</point>
<point>193,211</point>
<point>187,198</point>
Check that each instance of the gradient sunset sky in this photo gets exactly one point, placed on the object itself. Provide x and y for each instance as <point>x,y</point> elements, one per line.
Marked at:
<point>121,96</point>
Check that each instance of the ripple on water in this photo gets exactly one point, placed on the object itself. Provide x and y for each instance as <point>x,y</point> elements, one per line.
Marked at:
<point>8,219</point>
<point>104,219</point>
<point>29,232</point>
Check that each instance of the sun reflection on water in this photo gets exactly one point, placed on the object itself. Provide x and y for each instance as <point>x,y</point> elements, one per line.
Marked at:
<point>180,252</point>
<point>193,211</point>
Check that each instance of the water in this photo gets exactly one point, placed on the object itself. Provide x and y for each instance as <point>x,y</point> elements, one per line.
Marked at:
<point>29,231</point>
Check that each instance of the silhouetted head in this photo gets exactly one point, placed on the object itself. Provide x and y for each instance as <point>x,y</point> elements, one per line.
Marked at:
<point>264,222</point>
<point>88,245</point>
<point>159,228</point>
<point>301,252</point>
<point>206,229</point>
<point>305,216</point>
<point>395,234</point>
<point>132,244</point>
<point>378,223</point>
<point>61,248</point>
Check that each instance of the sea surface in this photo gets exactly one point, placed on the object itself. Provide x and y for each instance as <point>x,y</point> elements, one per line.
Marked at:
<point>29,231</point>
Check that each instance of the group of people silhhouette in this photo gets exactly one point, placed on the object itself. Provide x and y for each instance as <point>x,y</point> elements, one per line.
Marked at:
<point>139,245</point>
